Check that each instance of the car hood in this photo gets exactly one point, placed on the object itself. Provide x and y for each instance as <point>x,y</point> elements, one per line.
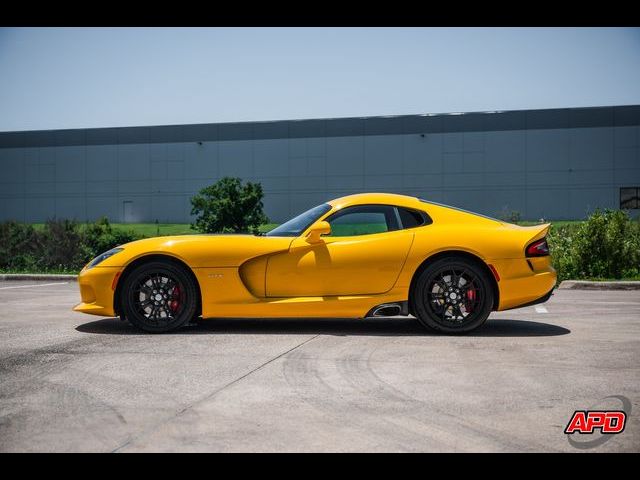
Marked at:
<point>199,251</point>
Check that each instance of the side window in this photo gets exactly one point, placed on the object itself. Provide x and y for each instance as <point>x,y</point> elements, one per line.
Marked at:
<point>363,220</point>
<point>412,218</point>
<point>629,198</point>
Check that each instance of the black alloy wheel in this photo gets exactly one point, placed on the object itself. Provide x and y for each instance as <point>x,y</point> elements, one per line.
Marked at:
<point>159,296</point>
<point>453,295</point>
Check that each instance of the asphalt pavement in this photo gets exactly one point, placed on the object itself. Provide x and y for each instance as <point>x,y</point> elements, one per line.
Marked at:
<point>73,382</point>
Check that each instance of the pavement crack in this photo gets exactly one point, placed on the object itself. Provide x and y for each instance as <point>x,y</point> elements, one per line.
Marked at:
<point>211,395</point>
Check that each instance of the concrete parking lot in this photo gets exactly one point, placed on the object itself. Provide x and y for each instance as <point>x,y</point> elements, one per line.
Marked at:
<point>72,382</point>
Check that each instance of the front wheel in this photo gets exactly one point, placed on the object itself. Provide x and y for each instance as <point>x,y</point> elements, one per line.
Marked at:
<point>452,295</point>
<point>159,296</point>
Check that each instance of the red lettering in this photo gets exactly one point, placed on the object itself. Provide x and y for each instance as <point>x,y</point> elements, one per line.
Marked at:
<point>614,422</point>
<point>595,420</point>
<point>577,423</point>
<point>586,422</point>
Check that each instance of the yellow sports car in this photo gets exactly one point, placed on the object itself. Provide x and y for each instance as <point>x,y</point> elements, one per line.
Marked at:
<point>363,255</point>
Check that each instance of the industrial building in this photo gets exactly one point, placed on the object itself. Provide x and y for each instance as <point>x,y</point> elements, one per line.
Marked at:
<point>552,164</point>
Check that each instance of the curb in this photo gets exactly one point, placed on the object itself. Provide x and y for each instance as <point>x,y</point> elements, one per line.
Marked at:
<point>37,276</point>
<point>592,285</point>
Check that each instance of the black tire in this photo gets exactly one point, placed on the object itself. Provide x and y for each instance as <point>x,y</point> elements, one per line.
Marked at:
<point>452,295</point>
<point>159,296</point>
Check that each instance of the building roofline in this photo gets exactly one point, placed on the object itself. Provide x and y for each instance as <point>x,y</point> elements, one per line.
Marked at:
<point>553,118</point>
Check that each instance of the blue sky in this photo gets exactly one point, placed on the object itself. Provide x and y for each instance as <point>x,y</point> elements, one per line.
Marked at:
<point>96,77</point>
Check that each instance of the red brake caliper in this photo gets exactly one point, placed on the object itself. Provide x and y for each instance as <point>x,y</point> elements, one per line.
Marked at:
<point>174,304</point>
<point>471,296</point>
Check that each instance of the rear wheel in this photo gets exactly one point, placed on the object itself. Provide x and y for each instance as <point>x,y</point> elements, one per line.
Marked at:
<point>159,296</point>
<point>452,295</point>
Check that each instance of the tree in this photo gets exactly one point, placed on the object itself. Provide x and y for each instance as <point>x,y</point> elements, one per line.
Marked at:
<point>229,206</point>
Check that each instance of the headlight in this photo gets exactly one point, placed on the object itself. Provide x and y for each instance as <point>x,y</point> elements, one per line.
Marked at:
<point>102,257</point>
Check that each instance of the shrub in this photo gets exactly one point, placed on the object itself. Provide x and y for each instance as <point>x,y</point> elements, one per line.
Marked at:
<point>61,246</point>
<point>100,236</point>
<point>607,245</point>
<point>19,246</point>
<point>229,206</point>
<point>561,243</point>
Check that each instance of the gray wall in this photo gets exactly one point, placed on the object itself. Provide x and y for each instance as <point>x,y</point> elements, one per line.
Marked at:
<point>556,164</point>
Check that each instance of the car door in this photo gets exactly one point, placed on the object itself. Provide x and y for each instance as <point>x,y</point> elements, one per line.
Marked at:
<point>363,255</point>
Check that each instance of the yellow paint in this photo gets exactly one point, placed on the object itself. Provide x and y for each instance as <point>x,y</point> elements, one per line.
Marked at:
<point>323,276</point>
<point>358,265</point>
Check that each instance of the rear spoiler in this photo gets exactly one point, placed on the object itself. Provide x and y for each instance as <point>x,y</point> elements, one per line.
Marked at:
<point>528,234</point>
<point>531,235</point>
<point>537,232</point>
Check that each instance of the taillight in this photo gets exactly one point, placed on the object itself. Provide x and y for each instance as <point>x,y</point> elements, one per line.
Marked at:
<point>539,248</point>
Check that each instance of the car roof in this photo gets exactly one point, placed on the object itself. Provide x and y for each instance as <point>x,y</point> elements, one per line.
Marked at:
<point>375,198</point>
<point>442,212</point>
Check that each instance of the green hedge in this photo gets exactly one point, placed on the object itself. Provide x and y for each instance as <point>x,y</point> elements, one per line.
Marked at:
<point>62,246</point>
<point>606,246</point>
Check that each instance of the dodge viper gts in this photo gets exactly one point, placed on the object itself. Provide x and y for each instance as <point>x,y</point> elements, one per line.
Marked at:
<point>362,255</point>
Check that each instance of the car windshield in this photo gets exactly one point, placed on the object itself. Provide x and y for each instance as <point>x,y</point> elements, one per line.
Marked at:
<point>299,224</point>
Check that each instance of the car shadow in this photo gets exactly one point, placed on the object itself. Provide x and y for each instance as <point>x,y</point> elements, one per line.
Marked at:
<point>383,326</point>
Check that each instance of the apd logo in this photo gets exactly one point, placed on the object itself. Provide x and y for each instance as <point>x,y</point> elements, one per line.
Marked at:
<point>604,422</point>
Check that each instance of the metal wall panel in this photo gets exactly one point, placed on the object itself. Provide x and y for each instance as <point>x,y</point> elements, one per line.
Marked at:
<point>168,208</point>
<point>554,164</point>
<point>626,157</point>
<point>581,178</point>
<point>14,208</point>
<point>462,180</point>
<point>504,179</point>
<point>133,162</point>
<point>383,154</point>
<point>308,182</point>
<point>271,158</point>
<point>422,154</point>
<point>12,165</point>
<point>39,208</point>
<point>235,159</point>
<point>71,207</point>
<point>503,202</point>
<point>101,163</point>
<point>626,136</point>
<point>344,183</point>
<point>40,189</point>
<point>100,188</point>
<point>77,189</point>
<point>99,206</point>
<point>547,150</point>
<point>583,201</point>
<point>627,177</point>
<point>590,148</point>
<point>427,181</point>
<point>278,205</point>
<point>273,184</point>
<point>383,183</point>
<point>70,164</point>
<point>547,203</point>
<point>505,151</point>
<point>345,155</point>
<point>201,161</point>
<point>452,162</point>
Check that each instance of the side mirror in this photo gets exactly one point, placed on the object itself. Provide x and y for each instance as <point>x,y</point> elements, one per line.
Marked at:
<point>317,229</point>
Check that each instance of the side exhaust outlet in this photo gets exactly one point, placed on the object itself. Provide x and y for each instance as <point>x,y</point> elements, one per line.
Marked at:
<point>389,310</point>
